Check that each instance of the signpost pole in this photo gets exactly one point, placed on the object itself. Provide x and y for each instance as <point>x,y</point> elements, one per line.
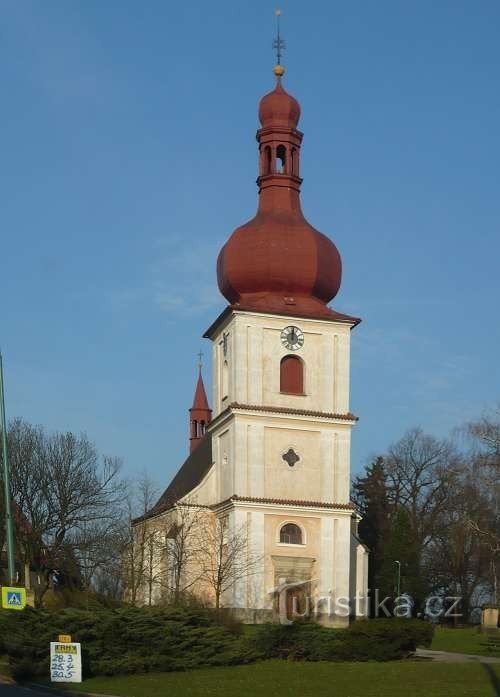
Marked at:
<point>6,482</point>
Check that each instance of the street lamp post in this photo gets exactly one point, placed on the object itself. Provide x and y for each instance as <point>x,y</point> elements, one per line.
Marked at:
<point>398,578</point>
<point>6,482</point>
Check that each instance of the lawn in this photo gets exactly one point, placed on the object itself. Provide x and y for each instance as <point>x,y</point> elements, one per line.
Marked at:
<point>468,640</point>
<point>412,679</point>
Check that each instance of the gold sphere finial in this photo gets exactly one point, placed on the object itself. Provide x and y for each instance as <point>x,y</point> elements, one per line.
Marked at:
<point>279,70</point>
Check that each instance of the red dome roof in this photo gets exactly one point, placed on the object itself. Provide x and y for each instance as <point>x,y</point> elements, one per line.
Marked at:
<point>277,262</point>
<point>278,108</point>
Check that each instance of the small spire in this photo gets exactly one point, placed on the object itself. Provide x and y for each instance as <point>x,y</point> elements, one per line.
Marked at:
<point>200,413</point>
<point>200,401</point>
<point>278,46</point>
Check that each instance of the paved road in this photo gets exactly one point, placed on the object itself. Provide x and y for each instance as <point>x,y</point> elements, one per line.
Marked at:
<point>15,691</point>
<point>449,657</point>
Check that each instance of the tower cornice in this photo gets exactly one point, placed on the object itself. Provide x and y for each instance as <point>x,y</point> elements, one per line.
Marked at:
<point>225,316</point>
<point>257,409</point>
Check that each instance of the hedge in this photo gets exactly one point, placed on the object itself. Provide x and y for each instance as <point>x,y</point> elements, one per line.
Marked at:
<point>371,640</point>
<point>135,640</point>
<point>126,640</point>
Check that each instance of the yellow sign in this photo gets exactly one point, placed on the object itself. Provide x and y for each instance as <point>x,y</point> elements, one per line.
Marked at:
<point>65,648</point>
<point>13,598</point>
<point>64,638</point>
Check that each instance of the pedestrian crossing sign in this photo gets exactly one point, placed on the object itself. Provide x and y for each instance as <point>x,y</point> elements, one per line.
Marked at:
<point>13,598</point>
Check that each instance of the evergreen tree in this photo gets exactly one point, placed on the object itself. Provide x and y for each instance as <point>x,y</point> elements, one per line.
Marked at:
<point>403,547</point>
<point>371,495</point>
<point>387,531</point>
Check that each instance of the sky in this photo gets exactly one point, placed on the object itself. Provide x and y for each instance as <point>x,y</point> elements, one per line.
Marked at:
<point>128,157</point>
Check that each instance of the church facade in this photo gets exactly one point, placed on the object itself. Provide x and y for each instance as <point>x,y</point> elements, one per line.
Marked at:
<point>272,456</point>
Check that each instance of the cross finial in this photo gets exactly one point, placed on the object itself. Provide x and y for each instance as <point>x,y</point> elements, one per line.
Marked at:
<point>278,43</point>
<point>200,363</point>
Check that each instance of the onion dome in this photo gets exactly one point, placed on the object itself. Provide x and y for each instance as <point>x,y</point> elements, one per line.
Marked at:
<point>278,262</point>
<point>278,108</point>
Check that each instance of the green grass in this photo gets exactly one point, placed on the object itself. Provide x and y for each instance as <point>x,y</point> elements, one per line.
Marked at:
<point>287,679</point>
<point>469,640</point>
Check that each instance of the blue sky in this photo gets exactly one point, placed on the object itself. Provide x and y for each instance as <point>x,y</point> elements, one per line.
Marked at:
<point>128,156</point>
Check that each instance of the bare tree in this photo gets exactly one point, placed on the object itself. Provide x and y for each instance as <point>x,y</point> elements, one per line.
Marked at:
<point>225,556</point>
<point>60,487</point>
<point>490,540</point>
<point>96,550</point>
<point>454,562</point>
<point>183,549</point>
<point>486,435</point>
<point>142,545</point>
<point>485,461</point>
<point>420,470</point>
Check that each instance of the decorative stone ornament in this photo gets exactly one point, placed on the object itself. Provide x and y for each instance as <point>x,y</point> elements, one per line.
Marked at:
<point>291,457</point>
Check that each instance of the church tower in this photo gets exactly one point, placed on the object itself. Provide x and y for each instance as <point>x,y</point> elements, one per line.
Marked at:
<point>200,414</point>
<point>281,427</point>
<point>271,460</point>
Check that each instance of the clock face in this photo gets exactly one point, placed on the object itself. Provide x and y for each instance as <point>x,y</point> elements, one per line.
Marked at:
<point>292,338</point>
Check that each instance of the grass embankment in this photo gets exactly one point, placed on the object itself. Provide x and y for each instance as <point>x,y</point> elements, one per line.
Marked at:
<point>468,640</point>
<point>286,678</point>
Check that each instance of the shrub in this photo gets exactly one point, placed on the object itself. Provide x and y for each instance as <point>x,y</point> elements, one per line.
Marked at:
<point>384,639</point>
<point>125,640</point>
<point>378,640</point>
<point>135,640</point>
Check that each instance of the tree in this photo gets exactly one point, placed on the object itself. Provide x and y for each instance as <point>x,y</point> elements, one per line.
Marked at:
<point>403,547</point>
<point>453,561</point>
<point>138,544</point>
<point>183,549</point>
<point>371,495</point>
<point>60,487</point>
<point>486,434</point>
<point>96,550</point>
<point>485,458</point>
<point>420,470</point>
<point>225,557</point>
<point>404,495</point>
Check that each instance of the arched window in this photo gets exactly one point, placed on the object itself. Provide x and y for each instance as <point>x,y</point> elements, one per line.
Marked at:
<point>291,534</point>
<point>198,428</point>
<point>280,159</point>
<point>292,375</point>
<point>267,160</point>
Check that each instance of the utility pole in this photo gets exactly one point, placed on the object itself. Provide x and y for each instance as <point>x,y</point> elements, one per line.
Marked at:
<point>9,529</point>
